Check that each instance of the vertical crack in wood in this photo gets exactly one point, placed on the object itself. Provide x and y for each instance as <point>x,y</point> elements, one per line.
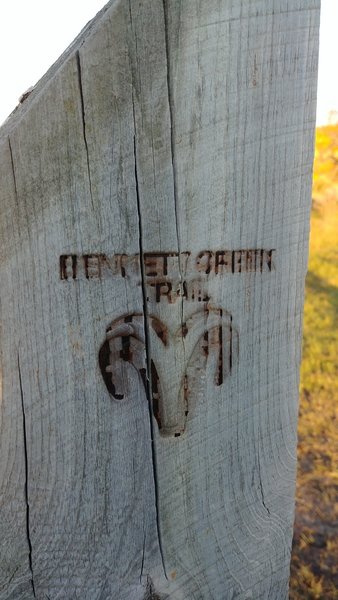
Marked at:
<point>172,125</point>
<point>13,169</point>
<point>143,555</point>
<point>30,549</point>
<point>30,561</point>
<point>147,351</point>
<point>261,484</point>
<point>231,346</point>
<point>172,150</point>
<point>84,127</point>
<point>146,330</point>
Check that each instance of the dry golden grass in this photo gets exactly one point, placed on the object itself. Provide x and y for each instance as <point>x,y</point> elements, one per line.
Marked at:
<point>314,568</point>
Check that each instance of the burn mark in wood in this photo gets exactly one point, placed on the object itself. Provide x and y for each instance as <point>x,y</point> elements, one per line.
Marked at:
<point>68,266</point>
<point>185,289</point>
<point>125,352</point>
<point>219,376</point>
<point>156,263</point>
<point>205,344</point>
<point>163,289</point>
<point>98,266</point>
<point>170,292</point>
<point>143,373</point>
<point>104,362</point>
<point>155,389</point>
<point>185,330</point>
<point>204,262</point>
<point>160,329</point>
<point>161,269</point>
<point>92,264</point>
<point>150,593</point>
<point>209,335</point>
<point>241,261</point>
<point>124,343</point>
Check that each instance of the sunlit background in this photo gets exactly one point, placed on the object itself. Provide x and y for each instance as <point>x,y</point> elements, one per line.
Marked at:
<point>33,33</point>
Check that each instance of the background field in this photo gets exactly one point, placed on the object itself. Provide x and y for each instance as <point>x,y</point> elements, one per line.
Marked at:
<point>314,569</point>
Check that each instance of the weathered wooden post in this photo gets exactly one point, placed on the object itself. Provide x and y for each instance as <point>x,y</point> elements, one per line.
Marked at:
<point>155,199</point>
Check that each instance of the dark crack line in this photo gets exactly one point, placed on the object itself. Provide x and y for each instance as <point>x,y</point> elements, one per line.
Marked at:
<point>172,132</point>
<point>146,324</point>
<point>13,168</point>
<point>262,494</point>
<point>172,148</point>
<point>84,128</point>
<point>261,484</point>
<point>148,353</point>
<point>143,555</point>
<point>30,549</point>
<point>12,576</point>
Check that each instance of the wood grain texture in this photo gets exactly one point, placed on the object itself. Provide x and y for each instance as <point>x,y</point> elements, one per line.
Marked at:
<point>155,198</point>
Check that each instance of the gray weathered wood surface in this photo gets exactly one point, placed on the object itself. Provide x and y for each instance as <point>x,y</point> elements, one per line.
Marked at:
<point>155,195</point>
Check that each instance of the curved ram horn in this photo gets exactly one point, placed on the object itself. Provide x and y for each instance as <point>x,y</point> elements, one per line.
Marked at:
<point>177,363</point>
<point>125,343</point>
<point>207,340</point>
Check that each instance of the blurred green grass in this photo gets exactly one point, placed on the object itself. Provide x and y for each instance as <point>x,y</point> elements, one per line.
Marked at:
<point>314,566</point>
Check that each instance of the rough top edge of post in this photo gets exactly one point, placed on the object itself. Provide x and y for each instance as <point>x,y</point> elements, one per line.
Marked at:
<point>21,109</point>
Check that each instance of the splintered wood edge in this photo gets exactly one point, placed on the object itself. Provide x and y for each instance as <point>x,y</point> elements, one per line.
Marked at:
<point>23,107</point>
